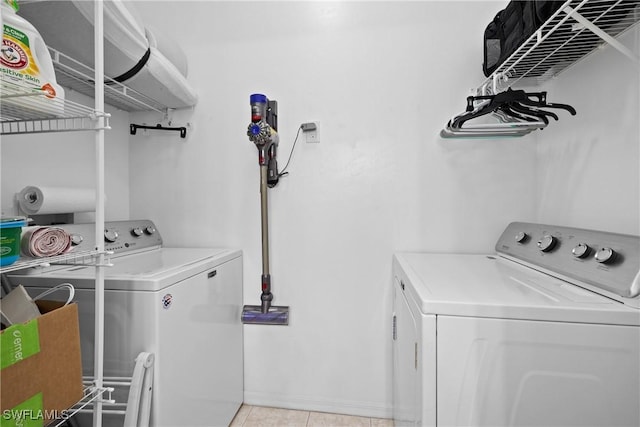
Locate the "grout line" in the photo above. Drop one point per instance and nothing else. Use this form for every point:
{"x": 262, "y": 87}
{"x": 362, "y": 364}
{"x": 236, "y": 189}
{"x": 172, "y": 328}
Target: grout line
{"x": 248, "y": 415}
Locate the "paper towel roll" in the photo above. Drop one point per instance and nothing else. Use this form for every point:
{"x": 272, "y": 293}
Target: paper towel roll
{"x": 52, "y": 200}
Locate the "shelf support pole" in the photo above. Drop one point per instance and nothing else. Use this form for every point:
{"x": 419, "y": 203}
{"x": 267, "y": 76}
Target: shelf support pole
{"x": 99, "y": 149}
{"x": 602, "y": 34}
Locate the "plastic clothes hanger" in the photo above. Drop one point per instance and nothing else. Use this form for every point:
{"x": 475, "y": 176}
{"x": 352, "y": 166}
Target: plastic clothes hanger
{"x": 483, "y": 134}
{"x": 530, "y": 104}
{"x": 506, "y": 127}
{"x": 509, "y": 122}
{"x": 543, "y": 103}
{"x": 517, "y": 112}
{"x": 522, "y": 115}
{"x": 495, "y": 102}
{"x": 536, "y": 112}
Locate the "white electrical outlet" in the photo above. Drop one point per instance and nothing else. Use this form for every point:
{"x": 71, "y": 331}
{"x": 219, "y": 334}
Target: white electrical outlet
{"x": 311, "y": 131}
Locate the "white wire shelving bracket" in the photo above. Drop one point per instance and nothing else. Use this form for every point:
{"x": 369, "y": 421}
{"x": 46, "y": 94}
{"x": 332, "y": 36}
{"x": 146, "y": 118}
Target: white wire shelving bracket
{"x": 577, "y": 29}
{"x": 72, "y": 258}
{"x": 135, "y": 391}
{"x": 117, "y": 385}
{"x": 33, "y": 111}
{"x": 90, "y": 395}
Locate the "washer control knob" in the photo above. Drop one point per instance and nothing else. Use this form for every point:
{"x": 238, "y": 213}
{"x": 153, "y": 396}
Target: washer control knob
{"x": 110, "y": 235}
{"x": 76, "y": 239}
{"x": 137, "y": 231}
{"x": 150, "y": 229}
{"x": 547, "y": 243}
{"x": 521, "y": 237}
{"x": 605, "y": 255}
{"x": 581, "y": 250}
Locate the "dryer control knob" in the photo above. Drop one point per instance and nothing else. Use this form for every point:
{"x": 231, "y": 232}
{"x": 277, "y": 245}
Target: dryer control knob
{"x": 521, "y": 237}
{"x": 110, "y": 235}
{"x": 605, "y": 255}
{"x": 137, "y": 231}
{"x": 76, "y": 239}
{"x": 581, "y": 250}
{"x": 547, "y": 243}
{"x": 150, "y": 230}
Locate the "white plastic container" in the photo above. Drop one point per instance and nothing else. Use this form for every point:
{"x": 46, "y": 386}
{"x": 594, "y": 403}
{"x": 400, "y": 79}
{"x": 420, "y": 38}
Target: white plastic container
{"x": 26, "y": 65}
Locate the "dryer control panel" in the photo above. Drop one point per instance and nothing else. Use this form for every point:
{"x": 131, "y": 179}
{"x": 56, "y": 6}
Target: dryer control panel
{"x": 606, "y": 262}
{"x": 119, "y": 236}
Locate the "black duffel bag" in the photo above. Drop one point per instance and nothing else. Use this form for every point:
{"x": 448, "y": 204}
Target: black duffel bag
{"x": 511, "y": 27}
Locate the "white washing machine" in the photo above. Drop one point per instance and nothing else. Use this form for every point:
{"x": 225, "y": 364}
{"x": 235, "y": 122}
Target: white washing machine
{"x": 182, "y": 304}
{"x": 544, "y": 333}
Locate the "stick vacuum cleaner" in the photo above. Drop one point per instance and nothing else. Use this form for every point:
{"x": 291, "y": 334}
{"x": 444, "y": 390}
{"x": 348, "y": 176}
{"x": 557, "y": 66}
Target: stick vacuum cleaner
{"x": 263, "y": 131}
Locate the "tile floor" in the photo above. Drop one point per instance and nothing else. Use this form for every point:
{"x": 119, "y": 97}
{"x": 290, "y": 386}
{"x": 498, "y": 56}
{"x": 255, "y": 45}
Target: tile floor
{"x": 254, "y": 416}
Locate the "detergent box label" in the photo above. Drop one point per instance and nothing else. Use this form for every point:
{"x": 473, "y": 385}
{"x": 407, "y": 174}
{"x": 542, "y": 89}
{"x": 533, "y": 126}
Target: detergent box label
{"x": 19, "y": 342}
{"x": 16, "y": 59}
{"x": 15, "y": 49}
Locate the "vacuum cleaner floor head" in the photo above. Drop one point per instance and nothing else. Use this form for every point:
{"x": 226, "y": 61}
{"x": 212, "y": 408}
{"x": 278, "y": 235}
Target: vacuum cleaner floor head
{"x": 277, "y": 315}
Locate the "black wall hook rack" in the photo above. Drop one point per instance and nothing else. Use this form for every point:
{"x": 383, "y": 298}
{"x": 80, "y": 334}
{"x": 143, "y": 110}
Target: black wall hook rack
{"x": 134, "y": 127}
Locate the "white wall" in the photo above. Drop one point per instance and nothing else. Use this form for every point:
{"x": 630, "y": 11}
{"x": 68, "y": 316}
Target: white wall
{"x": 382, "y": 78}
{"x": 68, "y": 160}
{"x": 589, "y": 171}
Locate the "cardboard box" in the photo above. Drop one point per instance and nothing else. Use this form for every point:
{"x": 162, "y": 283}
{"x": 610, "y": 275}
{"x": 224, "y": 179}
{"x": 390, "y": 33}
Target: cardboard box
{"x": 40, "y": 367}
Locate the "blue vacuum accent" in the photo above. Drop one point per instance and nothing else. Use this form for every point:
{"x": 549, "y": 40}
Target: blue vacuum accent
{"x": 253, "y": 314}
{"x": 255, "y": 129}
{"x": 257, "y": 97}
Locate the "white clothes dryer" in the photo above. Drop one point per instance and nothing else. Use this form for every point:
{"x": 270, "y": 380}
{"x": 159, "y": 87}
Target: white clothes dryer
{"x": 182, "y": 304}
{"x": 544, "y": 333}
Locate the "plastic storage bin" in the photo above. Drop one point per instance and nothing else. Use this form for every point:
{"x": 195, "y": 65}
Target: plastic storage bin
{"x": 10, "y": 234}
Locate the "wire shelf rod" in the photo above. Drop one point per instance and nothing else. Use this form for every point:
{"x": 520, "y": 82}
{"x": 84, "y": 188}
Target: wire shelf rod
{"x": 83, "y": 258}
{"x": 80, "y": 77}
{"x": 603, "y": 35}
{"x": 91, "y": 394}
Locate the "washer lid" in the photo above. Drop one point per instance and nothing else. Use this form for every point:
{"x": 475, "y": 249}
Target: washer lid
{"x": 490, "y": 286}
{"x": 144, "y": 271}
{"x": 159, "y": 263}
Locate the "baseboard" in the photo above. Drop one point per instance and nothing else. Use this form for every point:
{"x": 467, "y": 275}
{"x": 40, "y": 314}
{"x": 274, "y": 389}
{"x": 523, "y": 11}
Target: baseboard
{"x": 362, "y": 409}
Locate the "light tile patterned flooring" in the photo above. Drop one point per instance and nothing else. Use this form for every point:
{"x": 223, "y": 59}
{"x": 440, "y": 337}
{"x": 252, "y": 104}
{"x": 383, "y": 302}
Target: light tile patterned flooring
{"x": 258, "y": 416}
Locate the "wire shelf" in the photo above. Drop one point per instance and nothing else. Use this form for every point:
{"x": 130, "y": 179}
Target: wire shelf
{"x": 77, "y": 76}
{"x": 90, "y": 395}
{"x": 33, "y": 111}
{"x": 72, "y": 258}
{"x": 571, "y": 34}
{"x": 25, "y": 110}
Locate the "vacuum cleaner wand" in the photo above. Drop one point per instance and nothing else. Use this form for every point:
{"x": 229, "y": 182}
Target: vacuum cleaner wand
{"x": 262, "y": 131}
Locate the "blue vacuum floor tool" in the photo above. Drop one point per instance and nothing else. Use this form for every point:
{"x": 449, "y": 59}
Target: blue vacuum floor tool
{"x": 262, "y": 131}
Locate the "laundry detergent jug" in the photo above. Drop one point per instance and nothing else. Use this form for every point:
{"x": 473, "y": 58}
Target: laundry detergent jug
{"x": 26, "y": 65}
